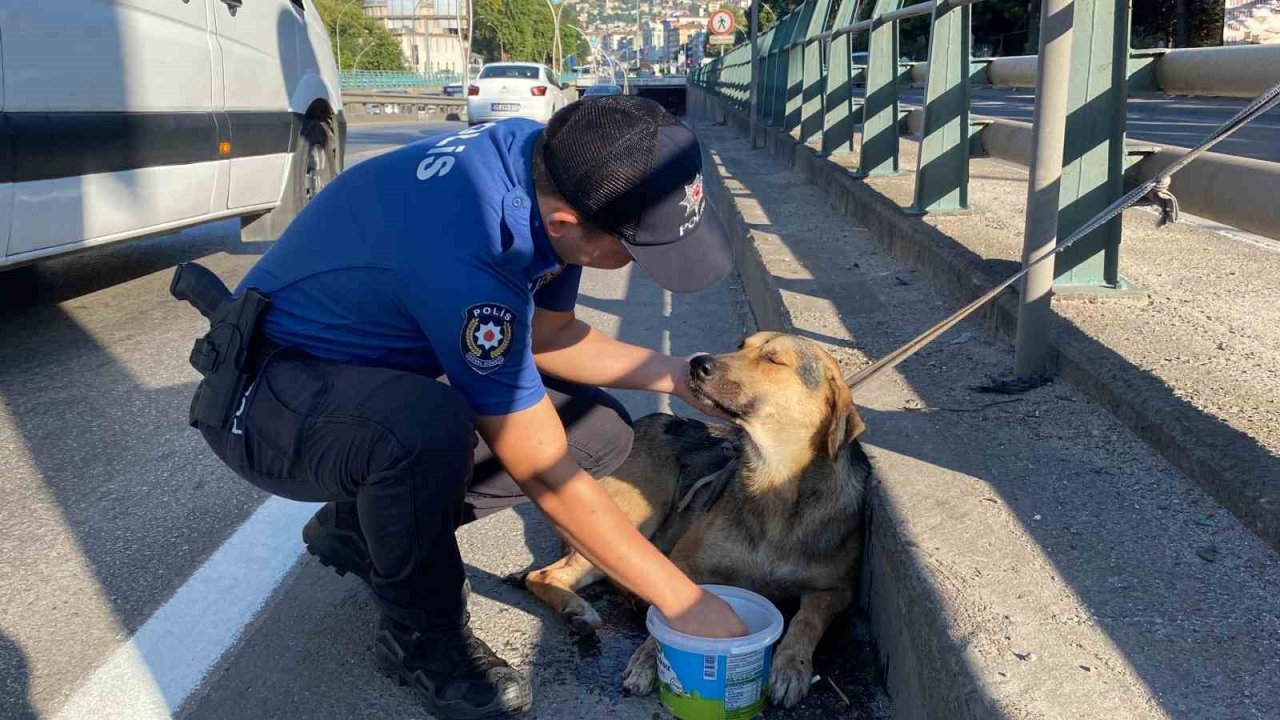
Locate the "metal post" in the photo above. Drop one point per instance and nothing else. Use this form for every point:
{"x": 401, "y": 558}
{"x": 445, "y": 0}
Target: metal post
{"x": 755, "y": 68}
{"x": 879, "y": 154}
{"x": 466, "y": 49}
{"x": 942, "y": 170}
{"x": 795, "y": 69}
{"x": 1093, "y": 169}
{"x": 811, "y": 99}
{"x": 1049, "y": 119}
{"x": 837, "y": 122}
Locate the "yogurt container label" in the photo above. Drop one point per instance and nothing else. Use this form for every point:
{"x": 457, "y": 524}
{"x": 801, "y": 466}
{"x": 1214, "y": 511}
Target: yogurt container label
{"x": 713, "y": 687}
{"x": 718, "y": 678}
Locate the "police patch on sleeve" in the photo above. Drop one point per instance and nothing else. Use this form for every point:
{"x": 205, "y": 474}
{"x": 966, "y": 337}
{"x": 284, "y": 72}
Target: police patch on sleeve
{"x": 486, "y": 336}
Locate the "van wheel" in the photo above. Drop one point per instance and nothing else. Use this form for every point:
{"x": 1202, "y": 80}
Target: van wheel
{"x": 313, "y": 166}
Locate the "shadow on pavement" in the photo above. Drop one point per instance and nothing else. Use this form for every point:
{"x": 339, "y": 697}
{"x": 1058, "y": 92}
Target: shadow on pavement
{"x": 96, "y": 395}
{"x": 14, "y": 681}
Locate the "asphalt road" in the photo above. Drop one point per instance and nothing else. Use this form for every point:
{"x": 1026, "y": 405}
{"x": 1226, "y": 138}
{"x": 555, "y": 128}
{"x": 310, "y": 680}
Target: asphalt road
{"x": 138, "y": 576}
{"x": 1181, "y": 121}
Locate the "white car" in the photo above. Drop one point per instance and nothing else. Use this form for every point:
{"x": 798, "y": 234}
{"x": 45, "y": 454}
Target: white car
{"x": 505, "y": 90}
{"x": 124, "y": 118}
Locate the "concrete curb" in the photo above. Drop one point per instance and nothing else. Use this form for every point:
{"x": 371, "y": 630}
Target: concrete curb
{"x": 1227, "y": 464}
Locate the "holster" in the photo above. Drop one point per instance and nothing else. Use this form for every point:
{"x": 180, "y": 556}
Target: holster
{"x": 225, "y": 355}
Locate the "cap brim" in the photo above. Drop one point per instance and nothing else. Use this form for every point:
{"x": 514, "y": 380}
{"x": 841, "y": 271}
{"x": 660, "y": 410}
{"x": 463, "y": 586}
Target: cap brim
{"x": 699, "y": 260}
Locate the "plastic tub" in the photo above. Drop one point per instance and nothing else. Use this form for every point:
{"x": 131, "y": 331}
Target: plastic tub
{"x": 718, "y": 679}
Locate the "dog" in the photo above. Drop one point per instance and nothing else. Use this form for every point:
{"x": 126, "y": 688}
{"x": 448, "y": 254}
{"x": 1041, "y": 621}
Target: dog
{"x": 786, "y": 519}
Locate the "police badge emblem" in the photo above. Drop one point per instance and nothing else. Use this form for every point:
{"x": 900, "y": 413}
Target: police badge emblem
{"x": 486, "y": 336}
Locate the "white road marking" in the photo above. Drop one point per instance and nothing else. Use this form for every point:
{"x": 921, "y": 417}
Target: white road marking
{"x": 150, "y": 676}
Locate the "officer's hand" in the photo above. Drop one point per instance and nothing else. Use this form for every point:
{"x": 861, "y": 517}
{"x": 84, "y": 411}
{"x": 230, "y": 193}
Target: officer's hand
{"x": 685, "y": 393}
{"x": 709, "y": 617}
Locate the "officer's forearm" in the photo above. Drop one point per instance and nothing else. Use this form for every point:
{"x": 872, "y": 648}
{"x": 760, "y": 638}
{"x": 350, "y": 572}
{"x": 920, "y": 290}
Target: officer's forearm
{"x": 531, "y": 446}
{"x": 578, "y": 353}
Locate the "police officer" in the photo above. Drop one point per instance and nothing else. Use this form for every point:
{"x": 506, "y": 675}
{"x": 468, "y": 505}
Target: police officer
{"x": 428, "y": 295}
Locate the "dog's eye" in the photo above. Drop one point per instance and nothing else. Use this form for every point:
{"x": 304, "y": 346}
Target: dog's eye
{"x": 774, "y": 359}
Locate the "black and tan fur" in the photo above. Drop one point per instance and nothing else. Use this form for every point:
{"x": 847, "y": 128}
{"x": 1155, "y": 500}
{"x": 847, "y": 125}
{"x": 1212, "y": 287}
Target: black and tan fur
{"x": 789, "y": 522}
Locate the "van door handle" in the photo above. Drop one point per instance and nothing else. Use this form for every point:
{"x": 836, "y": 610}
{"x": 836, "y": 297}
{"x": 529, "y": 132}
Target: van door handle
{"x": 233, "y": 4}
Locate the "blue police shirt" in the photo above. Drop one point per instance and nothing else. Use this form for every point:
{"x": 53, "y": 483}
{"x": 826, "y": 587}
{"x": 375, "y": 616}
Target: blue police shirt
{"x": 430, "y": 259}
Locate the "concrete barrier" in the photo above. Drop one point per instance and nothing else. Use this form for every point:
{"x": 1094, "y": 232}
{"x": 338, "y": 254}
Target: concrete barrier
{"x": 1233, "y": 71}
{"x": 400, "y": 107}
{"x": 1008, "y": 140}
{"x": 1017, "y": 71}
{"x": 1235, "y": 191}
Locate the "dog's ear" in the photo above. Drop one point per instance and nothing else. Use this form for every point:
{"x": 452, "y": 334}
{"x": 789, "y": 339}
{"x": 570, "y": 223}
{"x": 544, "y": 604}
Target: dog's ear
{"x": 846, "y": 423}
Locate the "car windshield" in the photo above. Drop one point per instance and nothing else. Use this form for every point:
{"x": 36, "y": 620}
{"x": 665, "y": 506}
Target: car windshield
{"x": 523, "y": 72}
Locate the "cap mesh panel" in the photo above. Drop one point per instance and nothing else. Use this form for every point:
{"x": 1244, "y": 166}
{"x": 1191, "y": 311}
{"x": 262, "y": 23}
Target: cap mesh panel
{"x": 599, "y": 150}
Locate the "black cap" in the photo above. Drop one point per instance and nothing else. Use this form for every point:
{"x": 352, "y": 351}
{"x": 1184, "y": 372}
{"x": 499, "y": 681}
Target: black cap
{"x": 633, "y": 170}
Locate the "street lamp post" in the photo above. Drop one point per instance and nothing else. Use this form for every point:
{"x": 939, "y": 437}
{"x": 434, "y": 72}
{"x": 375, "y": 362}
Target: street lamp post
{"x": 557, "y": 50}
{"x": 498, "y": 33}
{"x": 337, "y": 29}
{"x": 356, "y": 65}
{"x": 466, "y": 50}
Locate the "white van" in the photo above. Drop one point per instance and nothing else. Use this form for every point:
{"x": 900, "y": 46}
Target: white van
{"x": 123, "y": 118}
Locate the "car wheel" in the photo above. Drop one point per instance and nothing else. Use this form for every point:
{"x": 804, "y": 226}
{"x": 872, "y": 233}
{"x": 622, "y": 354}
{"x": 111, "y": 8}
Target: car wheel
{"x": 313, "y": 166}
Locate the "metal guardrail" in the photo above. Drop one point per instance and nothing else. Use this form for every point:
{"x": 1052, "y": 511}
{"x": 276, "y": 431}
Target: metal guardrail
{"x": 393, "y": 80}
{"x": 807, "y": 74}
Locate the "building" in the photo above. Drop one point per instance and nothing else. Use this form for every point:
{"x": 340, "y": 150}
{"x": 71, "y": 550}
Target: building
{"x": 677, "y": 31}
{"x": 694, "y": 50}
{"x": 1251, "y": 22}
{"x": 428, "y": 31}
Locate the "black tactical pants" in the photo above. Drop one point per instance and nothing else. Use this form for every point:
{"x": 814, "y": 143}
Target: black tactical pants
{"x": 404, "y": 448}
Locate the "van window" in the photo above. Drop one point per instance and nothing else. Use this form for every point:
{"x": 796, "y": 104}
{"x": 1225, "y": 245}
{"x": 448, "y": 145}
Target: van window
{"x": 521, "y": 72}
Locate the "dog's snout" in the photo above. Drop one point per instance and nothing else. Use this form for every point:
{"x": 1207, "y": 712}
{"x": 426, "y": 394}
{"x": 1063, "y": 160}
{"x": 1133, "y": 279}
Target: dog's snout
{"x": 703, "y": 366}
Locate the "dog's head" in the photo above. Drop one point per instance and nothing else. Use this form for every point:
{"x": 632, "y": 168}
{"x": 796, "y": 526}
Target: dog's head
{"x": 785, "y": 391}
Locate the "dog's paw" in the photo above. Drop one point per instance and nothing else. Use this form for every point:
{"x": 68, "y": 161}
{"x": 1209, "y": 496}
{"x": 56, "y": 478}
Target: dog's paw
{"x": 641, "y": 675}
{"x": 582, "y": 618}
{"x": 789, "y": 679}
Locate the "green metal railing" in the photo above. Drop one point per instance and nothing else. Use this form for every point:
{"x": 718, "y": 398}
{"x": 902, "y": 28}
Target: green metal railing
{"x": 806, "y": 88}
{"x": 393, "y": 80}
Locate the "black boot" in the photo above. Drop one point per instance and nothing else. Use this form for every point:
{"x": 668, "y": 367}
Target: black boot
{"x": 333, "y": 535}
{"x": 458, "y": 675}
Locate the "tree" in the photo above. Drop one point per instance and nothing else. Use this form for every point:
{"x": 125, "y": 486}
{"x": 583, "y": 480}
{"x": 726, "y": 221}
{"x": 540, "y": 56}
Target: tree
{"x": 362, "y": 37}
{"x": 1177, "y": 23}
{"x": 525, "y": 30}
